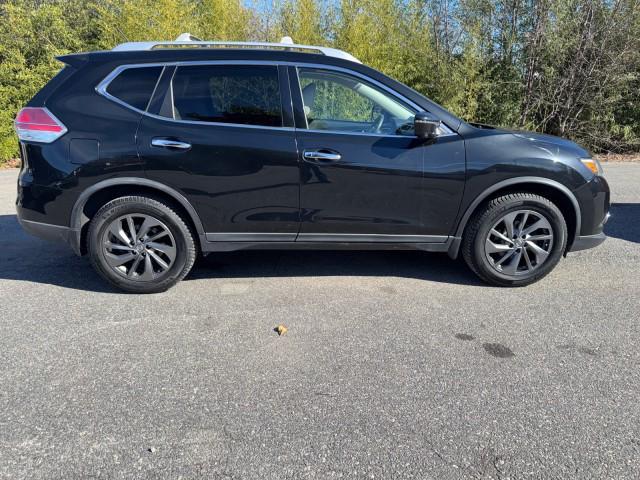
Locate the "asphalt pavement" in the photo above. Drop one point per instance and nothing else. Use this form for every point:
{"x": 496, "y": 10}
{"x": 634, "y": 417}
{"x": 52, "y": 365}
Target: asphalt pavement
{"x": 395, "y": 365}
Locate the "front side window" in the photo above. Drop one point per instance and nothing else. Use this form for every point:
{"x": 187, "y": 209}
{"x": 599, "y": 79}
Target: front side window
{"x": 241, "y": 94}
{"x": 340, "y": 102}
{"x": 134, "y": 86}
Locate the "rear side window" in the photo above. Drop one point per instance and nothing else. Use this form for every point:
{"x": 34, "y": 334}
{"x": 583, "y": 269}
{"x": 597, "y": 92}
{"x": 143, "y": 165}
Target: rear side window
{"x": 134, "y": 86}
{"x": 241, "y": 94}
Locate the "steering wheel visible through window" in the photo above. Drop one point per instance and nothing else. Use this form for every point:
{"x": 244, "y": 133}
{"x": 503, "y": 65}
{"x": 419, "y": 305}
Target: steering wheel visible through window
{"x": 341, "y": 102}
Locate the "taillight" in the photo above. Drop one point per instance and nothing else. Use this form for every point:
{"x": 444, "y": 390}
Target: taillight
{"x": 38, "y": 125}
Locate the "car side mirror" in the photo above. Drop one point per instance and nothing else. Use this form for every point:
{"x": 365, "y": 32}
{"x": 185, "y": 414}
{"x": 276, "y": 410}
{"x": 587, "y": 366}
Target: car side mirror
{"x": 425, "y": 126}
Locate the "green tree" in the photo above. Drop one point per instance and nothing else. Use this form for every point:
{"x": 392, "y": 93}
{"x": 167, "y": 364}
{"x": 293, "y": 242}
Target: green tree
{"x": 138, "y": 20}
{"x": 584, "y": 85}
{"x": 568, "y": 67}
{"x": 303, "y": 20}
{"x": 375, "y": 32}
{"x": 32, "y": 34}
{"x": 222, "y": 20}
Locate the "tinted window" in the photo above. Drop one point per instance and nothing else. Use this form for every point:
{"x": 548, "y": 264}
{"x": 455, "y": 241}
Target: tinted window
{"x": 134, "y": 86}
{"x": 245, "y": 94}
{"x": 341, "y": 102}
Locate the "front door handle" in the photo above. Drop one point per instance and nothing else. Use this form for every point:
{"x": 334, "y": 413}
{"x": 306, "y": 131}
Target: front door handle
{"x": 170, "y": 143}
{"x": 323, "y": 155}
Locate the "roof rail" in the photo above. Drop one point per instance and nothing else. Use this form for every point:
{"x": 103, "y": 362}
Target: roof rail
{"x": 187, "y": 40}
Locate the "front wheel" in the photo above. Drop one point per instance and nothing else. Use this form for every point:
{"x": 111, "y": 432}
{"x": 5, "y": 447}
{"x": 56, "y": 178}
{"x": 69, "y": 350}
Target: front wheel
{"x": 515, "y": 240}
{"x": 140, "y": 245}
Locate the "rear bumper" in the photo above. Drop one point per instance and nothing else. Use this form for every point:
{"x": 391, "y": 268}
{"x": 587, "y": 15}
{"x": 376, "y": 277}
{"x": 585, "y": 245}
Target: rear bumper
{"x": 46, "y": 231}
{"x": 41, "y": 211}
{"x": 53, "y": 233}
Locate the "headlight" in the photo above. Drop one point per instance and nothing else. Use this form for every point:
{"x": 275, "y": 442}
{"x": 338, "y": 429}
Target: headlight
{"x": 593, "y": 165}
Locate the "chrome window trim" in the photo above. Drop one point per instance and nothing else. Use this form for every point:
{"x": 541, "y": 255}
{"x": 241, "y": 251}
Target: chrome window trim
{"x": 225, "y": 62}
{"x": 362, "y": 134}
{"x": 101, "y": 89}
{"x": 404, "y": 100}
{"x": 218, "y": 124}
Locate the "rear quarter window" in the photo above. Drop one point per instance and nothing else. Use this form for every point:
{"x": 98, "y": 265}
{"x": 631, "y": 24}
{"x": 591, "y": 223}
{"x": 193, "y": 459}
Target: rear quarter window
{"x": 134, "y": 86}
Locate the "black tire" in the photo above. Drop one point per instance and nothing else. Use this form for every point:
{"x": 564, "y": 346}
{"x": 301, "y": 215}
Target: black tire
{"x": 180, "y": 241}
{"x": 478, "y": 230}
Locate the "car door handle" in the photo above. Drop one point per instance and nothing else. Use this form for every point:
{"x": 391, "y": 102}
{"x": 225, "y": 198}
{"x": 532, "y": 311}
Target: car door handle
{"x": 323, "y": 155}
{"x": 170, "y": 143}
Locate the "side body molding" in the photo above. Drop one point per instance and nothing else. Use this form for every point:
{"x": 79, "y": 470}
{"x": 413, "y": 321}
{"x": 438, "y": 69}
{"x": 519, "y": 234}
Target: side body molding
{"x": 78, "y": 220}
{"x": 457, "y": 239}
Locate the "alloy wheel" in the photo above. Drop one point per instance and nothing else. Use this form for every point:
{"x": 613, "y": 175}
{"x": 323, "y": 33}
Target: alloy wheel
{"x": 519, "y": 242}
{"x": 139, "y": 247}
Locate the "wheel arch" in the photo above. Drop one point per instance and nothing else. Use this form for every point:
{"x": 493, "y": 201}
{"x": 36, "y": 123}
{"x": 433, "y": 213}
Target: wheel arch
{"x": 555, "y": 191}
{"x": 91, "y": 199}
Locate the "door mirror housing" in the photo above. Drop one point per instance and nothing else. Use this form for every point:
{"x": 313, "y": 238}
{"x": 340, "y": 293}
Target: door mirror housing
{"x": 425, "y": 126}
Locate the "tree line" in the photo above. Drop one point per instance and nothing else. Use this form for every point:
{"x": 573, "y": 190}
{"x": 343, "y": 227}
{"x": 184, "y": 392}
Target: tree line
{"x": 565, "y": 67}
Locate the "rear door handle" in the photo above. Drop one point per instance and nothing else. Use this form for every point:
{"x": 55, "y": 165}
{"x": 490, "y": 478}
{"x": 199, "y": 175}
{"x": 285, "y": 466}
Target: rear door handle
{"x": 170, "y": 143}
{"x": 322, "y": 155}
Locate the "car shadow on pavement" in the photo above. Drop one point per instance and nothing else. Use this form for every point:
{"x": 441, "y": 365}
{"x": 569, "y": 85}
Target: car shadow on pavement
{"x": 30, "y": 259}
{"x": 27, "y": 258}
{"x": 624, "y": 222}
{"x": 319, "y": 263}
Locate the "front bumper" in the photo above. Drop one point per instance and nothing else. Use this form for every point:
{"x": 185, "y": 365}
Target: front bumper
{"x": 584, "y": 242}
{"x": 594, "y": 200}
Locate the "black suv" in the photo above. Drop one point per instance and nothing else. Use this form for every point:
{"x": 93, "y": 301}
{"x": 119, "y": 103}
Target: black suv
{"x": 146, "y": 155}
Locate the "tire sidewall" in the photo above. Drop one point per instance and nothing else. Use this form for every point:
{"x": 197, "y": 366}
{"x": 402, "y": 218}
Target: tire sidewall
{"x": 149, "y": 207}
{"x": 558, "y": 225}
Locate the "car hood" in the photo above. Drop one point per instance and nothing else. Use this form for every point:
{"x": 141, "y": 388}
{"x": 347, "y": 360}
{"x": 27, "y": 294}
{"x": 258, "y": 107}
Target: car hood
{"x": 552, "y": 140}
{"x": 542, "y": 140}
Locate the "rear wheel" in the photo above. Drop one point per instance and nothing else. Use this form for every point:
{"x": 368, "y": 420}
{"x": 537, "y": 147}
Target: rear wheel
{"x": 515, "y": 240}
{"x": 140, "y": 245}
